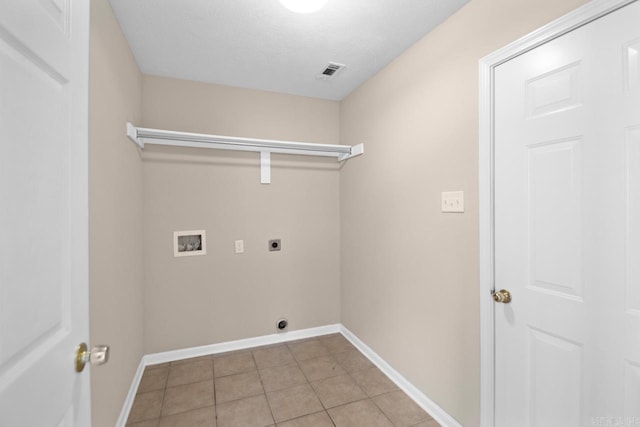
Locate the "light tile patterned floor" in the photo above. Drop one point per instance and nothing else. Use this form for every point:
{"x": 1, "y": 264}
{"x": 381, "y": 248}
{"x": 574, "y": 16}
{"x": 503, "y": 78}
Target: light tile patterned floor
{"x": 318, "y": 382}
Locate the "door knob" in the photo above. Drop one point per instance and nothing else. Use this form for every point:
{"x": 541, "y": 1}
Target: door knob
{"x": 99, "y": 355}
{"x": 502, "y": 296}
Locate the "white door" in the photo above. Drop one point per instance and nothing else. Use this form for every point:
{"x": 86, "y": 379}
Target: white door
{"x": 43, "y": 211}
{"x": 567, "y": 229}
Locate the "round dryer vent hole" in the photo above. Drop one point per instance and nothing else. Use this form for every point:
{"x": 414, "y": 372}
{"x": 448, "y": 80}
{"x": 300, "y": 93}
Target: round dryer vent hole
{"x": 282, "y": 324}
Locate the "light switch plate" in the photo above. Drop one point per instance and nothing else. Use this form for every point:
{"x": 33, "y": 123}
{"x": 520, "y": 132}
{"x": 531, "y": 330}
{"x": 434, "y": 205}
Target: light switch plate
{"x": 239, "y": 246}
{"x": 453, "y": 201}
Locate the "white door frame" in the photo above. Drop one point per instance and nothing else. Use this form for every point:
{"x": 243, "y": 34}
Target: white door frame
{"x": 581, "y": 16}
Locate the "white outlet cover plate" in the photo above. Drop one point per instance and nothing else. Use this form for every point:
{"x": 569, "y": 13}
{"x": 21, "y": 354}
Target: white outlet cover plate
{"x": 453, "y": 201}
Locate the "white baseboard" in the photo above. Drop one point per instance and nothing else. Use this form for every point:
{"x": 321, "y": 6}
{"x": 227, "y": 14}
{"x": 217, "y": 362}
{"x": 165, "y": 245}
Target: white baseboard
{"x": 186, "y": 353}
{"x": 128, "y": 403}
{"x": 439, "y": 414}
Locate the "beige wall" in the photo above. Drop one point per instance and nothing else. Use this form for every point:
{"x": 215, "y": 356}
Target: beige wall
{"x": 222, "y": 296}
{"x": 365, "y": 245}
{"x": 409, "y": 272}
{"x": 115, "y": 214}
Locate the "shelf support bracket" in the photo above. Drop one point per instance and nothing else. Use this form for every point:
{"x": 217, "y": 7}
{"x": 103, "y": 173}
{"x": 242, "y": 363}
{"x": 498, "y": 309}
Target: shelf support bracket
{"x": 132, "y": 133}
{"x": 356, "y": 150}
{"x": 265, "y": 167}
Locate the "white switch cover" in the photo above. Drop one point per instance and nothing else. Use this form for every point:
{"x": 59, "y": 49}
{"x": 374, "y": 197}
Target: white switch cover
{"x": 453, "y": 201}
{"x": 239, "y": 246}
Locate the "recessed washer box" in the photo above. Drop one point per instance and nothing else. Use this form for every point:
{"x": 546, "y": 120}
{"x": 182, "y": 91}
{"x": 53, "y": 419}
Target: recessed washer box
{"x": 189, "y": 243}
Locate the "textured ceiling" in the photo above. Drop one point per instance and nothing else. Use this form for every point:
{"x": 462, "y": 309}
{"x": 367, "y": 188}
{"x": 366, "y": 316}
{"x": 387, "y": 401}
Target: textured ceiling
{"x": 259, "y": 44}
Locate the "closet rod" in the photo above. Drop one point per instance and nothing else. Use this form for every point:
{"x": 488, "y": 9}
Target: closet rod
{"x": 142, "y": 136}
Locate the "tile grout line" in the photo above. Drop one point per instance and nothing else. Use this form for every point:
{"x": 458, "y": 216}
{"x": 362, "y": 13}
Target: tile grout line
{"x": 215, "y": 389}
{"x": 180, "y": 385}
{"x": 325, "y": 409}
{"x": 371, "y": 398}
{"x": 164, "y": 392}
{"x": 253, "y": 357}
{"x": 349, "y": 374}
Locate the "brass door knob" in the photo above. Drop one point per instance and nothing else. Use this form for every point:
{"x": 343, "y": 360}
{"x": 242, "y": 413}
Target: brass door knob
{"x": 99, "y": 355}
{"x": 502, "y": 296}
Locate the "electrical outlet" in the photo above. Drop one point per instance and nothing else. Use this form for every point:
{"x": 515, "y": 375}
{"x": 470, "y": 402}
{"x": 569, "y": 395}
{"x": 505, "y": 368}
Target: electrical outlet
{"x": 453, "y": 201}
{"x": 274, "y": 245}
{"x": 239, "y": 246}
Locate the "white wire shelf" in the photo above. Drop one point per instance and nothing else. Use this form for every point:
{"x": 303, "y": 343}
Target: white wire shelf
{"x": 265, "y": 147}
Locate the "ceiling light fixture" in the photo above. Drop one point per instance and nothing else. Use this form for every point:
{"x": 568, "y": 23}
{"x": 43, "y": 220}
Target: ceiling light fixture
{"x": 304, "y": 6}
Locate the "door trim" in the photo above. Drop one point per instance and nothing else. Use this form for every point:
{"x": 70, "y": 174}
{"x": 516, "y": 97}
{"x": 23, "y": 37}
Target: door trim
{"x": 579, "y": 17}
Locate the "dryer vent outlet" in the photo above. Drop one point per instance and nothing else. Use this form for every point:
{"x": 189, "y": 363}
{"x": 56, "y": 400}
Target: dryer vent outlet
{"x": 282, "y": 324}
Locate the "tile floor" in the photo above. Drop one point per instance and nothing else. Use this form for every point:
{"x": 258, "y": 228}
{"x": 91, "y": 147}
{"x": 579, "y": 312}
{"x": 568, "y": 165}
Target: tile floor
{"x": 317, "y": 382}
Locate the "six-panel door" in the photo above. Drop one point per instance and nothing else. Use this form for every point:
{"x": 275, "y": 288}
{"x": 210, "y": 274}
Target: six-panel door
{"x": 567, "y": 228}
{"x": 43, "y": 214}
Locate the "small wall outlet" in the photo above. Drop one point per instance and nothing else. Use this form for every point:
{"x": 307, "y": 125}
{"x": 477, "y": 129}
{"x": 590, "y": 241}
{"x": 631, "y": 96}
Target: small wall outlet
{"x": 453, "y": 201}
{"x": 274, "y": 245}
{"x": 239, "y": 246}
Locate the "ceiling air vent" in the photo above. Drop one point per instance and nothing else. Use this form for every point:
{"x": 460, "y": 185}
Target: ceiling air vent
{"x": 331, "y": 70}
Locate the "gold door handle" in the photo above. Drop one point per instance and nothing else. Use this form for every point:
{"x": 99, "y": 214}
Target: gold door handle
{"x": 502, "y": 296}
{"x": 99, "y": 355}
